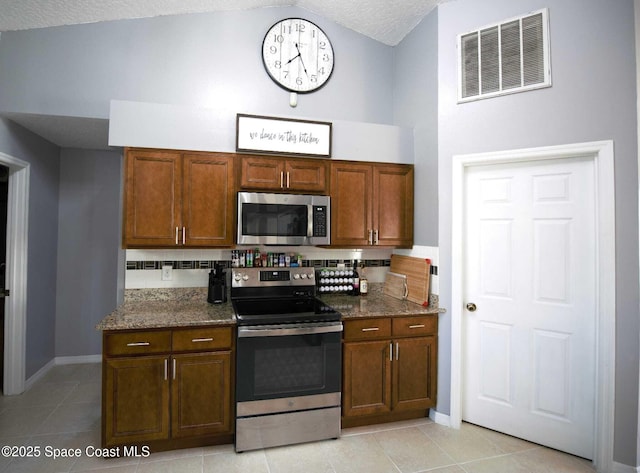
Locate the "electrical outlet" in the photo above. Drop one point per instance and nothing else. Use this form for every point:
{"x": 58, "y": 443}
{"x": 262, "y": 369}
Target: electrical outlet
{"x": 167, "y": 273}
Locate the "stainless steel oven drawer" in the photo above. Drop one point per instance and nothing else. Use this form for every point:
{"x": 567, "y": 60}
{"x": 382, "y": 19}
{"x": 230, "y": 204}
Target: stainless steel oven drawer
{"x": 254, "y": 433}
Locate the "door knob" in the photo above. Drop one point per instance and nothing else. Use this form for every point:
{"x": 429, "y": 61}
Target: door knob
{"x": 471, "y": 307}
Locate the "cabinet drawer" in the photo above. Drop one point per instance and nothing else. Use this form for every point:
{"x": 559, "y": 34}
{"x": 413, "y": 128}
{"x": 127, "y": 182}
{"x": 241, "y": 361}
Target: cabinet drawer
{"x": 137, "y": 343}
{"x": 367, "y": 329}
{"x": 407, "y": 326}
{"x": 202, "y": 339}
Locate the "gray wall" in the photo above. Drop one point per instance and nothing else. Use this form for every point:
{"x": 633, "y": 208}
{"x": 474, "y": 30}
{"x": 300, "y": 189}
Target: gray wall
{"x": 43, "y": 238}
{"x": 204, "y": 60}
{"x": 415, "y": 83}
{"x": 89, "y": 216}
{"x": 592, "y": 98}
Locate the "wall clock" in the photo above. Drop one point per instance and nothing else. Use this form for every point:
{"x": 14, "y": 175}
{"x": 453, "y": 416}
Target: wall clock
{"x": 298, "y": 55}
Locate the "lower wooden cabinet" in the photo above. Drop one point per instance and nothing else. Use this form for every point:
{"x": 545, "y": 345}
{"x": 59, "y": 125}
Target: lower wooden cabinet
{"x": 389, "y": 369}
{"x": 136, "y": 392}
{"x": 414, "y": 373}
{"x": 168, "y": 392}
{"x": 367, "y": 378}
{"x": 200, "y": 394}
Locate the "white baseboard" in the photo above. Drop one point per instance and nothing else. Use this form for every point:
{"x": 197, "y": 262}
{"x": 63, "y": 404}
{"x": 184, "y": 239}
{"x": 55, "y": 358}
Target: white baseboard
{"x": 60, "y": 360}
{"x": 620, "y": 468}
{"x": 39, "y": 374}
{"x": 439, "y": 418}
{"x": 76, "y": 360}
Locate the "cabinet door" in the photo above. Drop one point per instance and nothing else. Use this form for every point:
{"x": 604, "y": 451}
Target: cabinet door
{"x": 208, "y": 199}
{"x": 366, "y": 378}
{"x": 259, "y": 173}
{"x": 351, "y": 199}
{"x": 414, "y": 373}
{"x": 201, "y": 394}
{"x": 136, "y": 400}
{"x": 308, "y": 175}
{"x": 153, "y": 187}
{"x": 393, "y": 205}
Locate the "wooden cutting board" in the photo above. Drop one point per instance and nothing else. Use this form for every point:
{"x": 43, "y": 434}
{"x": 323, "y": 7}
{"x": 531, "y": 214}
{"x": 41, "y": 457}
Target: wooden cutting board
{"x": 417, "y": 271}
{"x": 395, "y": 285}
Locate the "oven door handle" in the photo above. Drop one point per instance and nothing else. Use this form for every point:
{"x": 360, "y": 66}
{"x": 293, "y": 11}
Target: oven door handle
{"x": 244, "y": 332}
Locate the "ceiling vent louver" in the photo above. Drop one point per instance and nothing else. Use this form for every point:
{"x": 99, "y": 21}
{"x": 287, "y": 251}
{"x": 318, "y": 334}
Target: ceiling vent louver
{"x": 504, "y": 58}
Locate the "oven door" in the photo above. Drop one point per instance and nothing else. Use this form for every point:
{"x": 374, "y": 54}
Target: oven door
{"x": 286, "y": 361}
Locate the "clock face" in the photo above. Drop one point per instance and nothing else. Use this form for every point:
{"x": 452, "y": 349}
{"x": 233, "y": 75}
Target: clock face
{"x": 297, "y": 55}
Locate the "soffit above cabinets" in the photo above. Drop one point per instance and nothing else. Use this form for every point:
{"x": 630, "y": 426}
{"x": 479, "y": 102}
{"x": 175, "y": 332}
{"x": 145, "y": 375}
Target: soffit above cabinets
{"x": 387, "y": 21}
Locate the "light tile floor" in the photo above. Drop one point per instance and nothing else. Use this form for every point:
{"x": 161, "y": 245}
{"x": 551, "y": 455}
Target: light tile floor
{"x": 62, "y": 410}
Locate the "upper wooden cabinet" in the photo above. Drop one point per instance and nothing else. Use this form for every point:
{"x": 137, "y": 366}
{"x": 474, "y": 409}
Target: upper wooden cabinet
{"x": 283, "y": 174}
{"x": 178, "y": 199}
{"x": 371, "y": 204}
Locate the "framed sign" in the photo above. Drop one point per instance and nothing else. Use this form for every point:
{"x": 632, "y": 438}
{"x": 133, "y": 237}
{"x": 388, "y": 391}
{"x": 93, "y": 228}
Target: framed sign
{"x": 271, "y": 135}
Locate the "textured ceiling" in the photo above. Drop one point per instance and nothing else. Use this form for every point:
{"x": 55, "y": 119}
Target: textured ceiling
{"x": 387, "y": 21}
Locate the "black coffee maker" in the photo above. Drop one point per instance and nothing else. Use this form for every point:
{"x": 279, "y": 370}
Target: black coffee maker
{"x": 217, "y": 285}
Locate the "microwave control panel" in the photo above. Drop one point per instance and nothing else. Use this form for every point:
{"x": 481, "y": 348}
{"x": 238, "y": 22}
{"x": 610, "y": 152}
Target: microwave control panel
{"x": 319, "y": 220}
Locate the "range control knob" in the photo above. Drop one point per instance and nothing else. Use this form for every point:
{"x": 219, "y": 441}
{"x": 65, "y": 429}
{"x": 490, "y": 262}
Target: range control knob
{"x": 237, "y": 276}
{"x": 303, "y": 275}
{"x": 245, "y": 277}
{"x": 310, "y": 275}
{"x": 297, "y": 276}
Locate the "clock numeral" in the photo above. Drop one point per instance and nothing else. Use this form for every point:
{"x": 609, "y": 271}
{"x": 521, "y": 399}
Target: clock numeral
{"x": 286, "y": 74}
{"x": 277, "y": 64}
{"x": 273, "y": 49}
{"x": 325, "y": 57}
{"x": 300, "y": 27}
{"x": 278, "y": 38}
{"x": 299, "y": 80}
{"x": 322, "y": 45}
{"x": 313, "y": 78}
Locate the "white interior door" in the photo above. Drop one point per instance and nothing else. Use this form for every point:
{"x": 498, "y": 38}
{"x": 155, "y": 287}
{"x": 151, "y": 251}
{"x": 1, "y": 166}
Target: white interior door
{"x": 530, "y": 257}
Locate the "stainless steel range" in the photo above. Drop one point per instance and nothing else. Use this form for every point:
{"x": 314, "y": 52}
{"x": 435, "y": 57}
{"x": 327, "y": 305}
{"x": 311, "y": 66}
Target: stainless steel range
{"x": 289, "y": 359}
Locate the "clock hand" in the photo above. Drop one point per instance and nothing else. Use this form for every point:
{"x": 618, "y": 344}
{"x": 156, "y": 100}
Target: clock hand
{"x": 293, "y": 58}
{"x": 301, "y": 61}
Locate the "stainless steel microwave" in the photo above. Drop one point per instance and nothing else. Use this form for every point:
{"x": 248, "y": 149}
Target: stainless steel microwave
{"x": 283, "y": 219}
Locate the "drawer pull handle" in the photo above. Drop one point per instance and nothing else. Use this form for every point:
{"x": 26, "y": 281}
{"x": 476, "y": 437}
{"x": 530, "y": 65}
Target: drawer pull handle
{"x": 198, "y": 340}
{"x": 370, "y": 329}
{"x": 138, "y": 344}
{"x": 417, "y": 326}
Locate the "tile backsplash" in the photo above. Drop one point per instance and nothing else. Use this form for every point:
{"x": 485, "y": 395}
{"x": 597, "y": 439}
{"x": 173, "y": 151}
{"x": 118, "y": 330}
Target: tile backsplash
{"x": 190, "y": 268}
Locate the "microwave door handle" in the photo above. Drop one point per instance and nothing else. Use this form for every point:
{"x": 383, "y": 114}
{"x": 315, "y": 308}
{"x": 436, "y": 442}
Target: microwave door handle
{"x": 309, "y": 221}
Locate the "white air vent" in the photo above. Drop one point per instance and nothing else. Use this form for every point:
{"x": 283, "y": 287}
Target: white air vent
{"x": 507, "y": 57}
